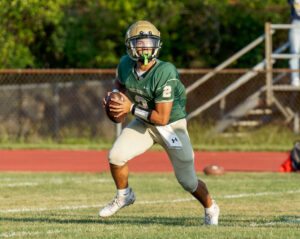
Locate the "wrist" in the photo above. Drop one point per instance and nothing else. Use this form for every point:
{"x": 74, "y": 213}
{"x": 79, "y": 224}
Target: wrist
{"x": 141, "y": 113}
{"x": 132, "y": 108}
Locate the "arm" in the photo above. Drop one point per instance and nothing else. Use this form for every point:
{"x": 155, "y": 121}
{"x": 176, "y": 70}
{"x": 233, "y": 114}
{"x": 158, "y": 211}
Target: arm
{"x": 161, "y": 114}
{"x": 119, "y": 85}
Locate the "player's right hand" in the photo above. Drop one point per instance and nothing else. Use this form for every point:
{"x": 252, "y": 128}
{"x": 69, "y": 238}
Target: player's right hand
{"x": 122, "y": 106}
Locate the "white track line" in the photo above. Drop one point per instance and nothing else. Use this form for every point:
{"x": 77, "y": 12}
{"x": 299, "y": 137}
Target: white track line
{"x": 143, "y": 202}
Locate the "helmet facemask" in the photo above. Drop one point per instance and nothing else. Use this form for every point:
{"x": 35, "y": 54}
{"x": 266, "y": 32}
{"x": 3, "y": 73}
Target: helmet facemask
{"x": 143, "y": 48}
{"x": 142, "y": 41}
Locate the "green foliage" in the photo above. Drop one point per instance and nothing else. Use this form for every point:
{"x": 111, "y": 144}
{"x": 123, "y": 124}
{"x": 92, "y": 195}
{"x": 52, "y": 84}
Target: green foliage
{"x": 90, "y": 34}
{"x": 29, "y": 31}
{"x": 96, "y": 29}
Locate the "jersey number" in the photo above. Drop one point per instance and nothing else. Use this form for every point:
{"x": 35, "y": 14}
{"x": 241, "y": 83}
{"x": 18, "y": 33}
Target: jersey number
{"x": 167, "y": 91}
{"x": 141, "y": 101}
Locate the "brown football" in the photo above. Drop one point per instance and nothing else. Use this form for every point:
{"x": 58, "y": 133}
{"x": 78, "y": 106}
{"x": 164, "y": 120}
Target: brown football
{"x": 112, "y": 115}
{"x": 214, "y": 170}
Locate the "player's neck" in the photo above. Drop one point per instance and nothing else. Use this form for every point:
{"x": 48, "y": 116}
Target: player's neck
{"x": 143, "y": 67}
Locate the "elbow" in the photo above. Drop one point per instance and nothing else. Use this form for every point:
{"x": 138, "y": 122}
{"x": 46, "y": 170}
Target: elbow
{"x": 163, "y": 121}
{"x": 159, "y": 118}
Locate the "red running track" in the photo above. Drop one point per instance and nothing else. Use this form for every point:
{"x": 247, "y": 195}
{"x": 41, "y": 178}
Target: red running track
{"x": 151, "y": 161}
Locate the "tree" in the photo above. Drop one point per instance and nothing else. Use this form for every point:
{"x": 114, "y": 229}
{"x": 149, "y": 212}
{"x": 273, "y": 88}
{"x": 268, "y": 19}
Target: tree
{"x": 29, "y": 32}
{"x": 90, "y": 33}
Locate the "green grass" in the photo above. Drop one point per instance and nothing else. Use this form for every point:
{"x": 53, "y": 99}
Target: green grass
{"x": 275, "y": 137}
{"x": 65, "y": 205}
{"x": 107, "y": 146}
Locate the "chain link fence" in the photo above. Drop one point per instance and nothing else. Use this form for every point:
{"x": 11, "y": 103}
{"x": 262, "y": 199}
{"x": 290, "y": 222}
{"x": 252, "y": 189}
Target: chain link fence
{"x": 41, "y": 104}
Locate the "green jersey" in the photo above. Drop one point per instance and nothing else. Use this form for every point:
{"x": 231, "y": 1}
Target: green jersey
{"x": 160, "y": 84}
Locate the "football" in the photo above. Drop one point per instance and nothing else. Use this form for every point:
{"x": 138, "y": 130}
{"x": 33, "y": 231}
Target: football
{"x": 214, "y": 170}
{"x": 112, "y": 115}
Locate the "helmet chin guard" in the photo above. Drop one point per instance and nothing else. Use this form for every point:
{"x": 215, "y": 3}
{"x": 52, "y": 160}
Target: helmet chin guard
{"x": 143, "y": 42}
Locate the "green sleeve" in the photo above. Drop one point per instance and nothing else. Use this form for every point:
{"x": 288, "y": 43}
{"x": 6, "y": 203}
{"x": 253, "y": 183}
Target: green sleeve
{"x": 122, "y": 69}
{"x": 167, "y": 85}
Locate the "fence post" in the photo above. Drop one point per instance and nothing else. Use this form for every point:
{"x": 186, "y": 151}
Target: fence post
{"x": 20, "y": 106}
{"x": 296, "y": 123}
{"x": 222, "y": 106}
{"x": 56, "y": 110}
{"x": 118, "y": 129}
{"x": 268, "y": 53}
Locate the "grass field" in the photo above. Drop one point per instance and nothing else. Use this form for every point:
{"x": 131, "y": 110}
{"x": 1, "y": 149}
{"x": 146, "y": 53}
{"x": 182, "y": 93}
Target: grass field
{"x": 65, "y": 205}
{"x": 275, "y": 137}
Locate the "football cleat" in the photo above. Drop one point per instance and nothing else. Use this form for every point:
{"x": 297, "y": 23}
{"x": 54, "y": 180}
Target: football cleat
{"x": 117, "y": 203}
{"x": 212, "y": 215}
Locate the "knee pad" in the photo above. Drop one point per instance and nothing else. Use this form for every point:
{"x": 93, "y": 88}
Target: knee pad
{"x": 188, "y": 182}
{"x": 115, "y": 158}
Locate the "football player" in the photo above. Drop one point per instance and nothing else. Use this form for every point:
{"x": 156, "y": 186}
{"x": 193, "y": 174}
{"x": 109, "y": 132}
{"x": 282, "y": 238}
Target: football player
{"x": 157, "y": 101}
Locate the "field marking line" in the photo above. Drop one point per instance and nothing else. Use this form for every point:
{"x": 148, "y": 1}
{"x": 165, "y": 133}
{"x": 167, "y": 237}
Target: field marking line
{"x": 296, "y": 221}
{"x": 258, "y": 194}
{"x": 55, "y": 181}
{"x": 11, "y": 185}
{"x": 24, "y": 233}
{"x": 143, "y": 202}
{"x": 36, "y": 233}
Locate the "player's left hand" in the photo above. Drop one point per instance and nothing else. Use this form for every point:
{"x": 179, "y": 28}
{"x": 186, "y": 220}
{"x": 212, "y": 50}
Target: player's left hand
{"x": 123, "y": 107}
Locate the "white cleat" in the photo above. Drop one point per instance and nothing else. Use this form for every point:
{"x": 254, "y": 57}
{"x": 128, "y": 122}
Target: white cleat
{"x": 212, "y": 215}
{"x": 117, "y": 203}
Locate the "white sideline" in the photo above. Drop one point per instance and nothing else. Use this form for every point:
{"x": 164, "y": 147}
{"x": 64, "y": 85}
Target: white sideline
{"x": 144, "y": 202}
{"x": 24, "y": 233}
{"x": 55, "y": 181}
{"x": 10, "y": 185}
{"x": 275, "y": 222}
{"x": 35, "y": 233}
{"x": 259, "y": 194}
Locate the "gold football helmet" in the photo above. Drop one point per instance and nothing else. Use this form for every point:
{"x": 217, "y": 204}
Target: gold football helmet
{"x": 143, "y": 41}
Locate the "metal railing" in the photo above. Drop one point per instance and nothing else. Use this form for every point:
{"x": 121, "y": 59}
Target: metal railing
{"x": 267, "y": 64}
{"x": 226, "y": 63}
{"x": 234, "y": 86}
{"x": 269, "y": 29}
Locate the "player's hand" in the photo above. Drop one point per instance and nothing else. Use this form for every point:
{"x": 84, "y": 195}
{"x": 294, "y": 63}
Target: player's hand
{"x": 123, "y": 107}
{"x": 104, "y": 101}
